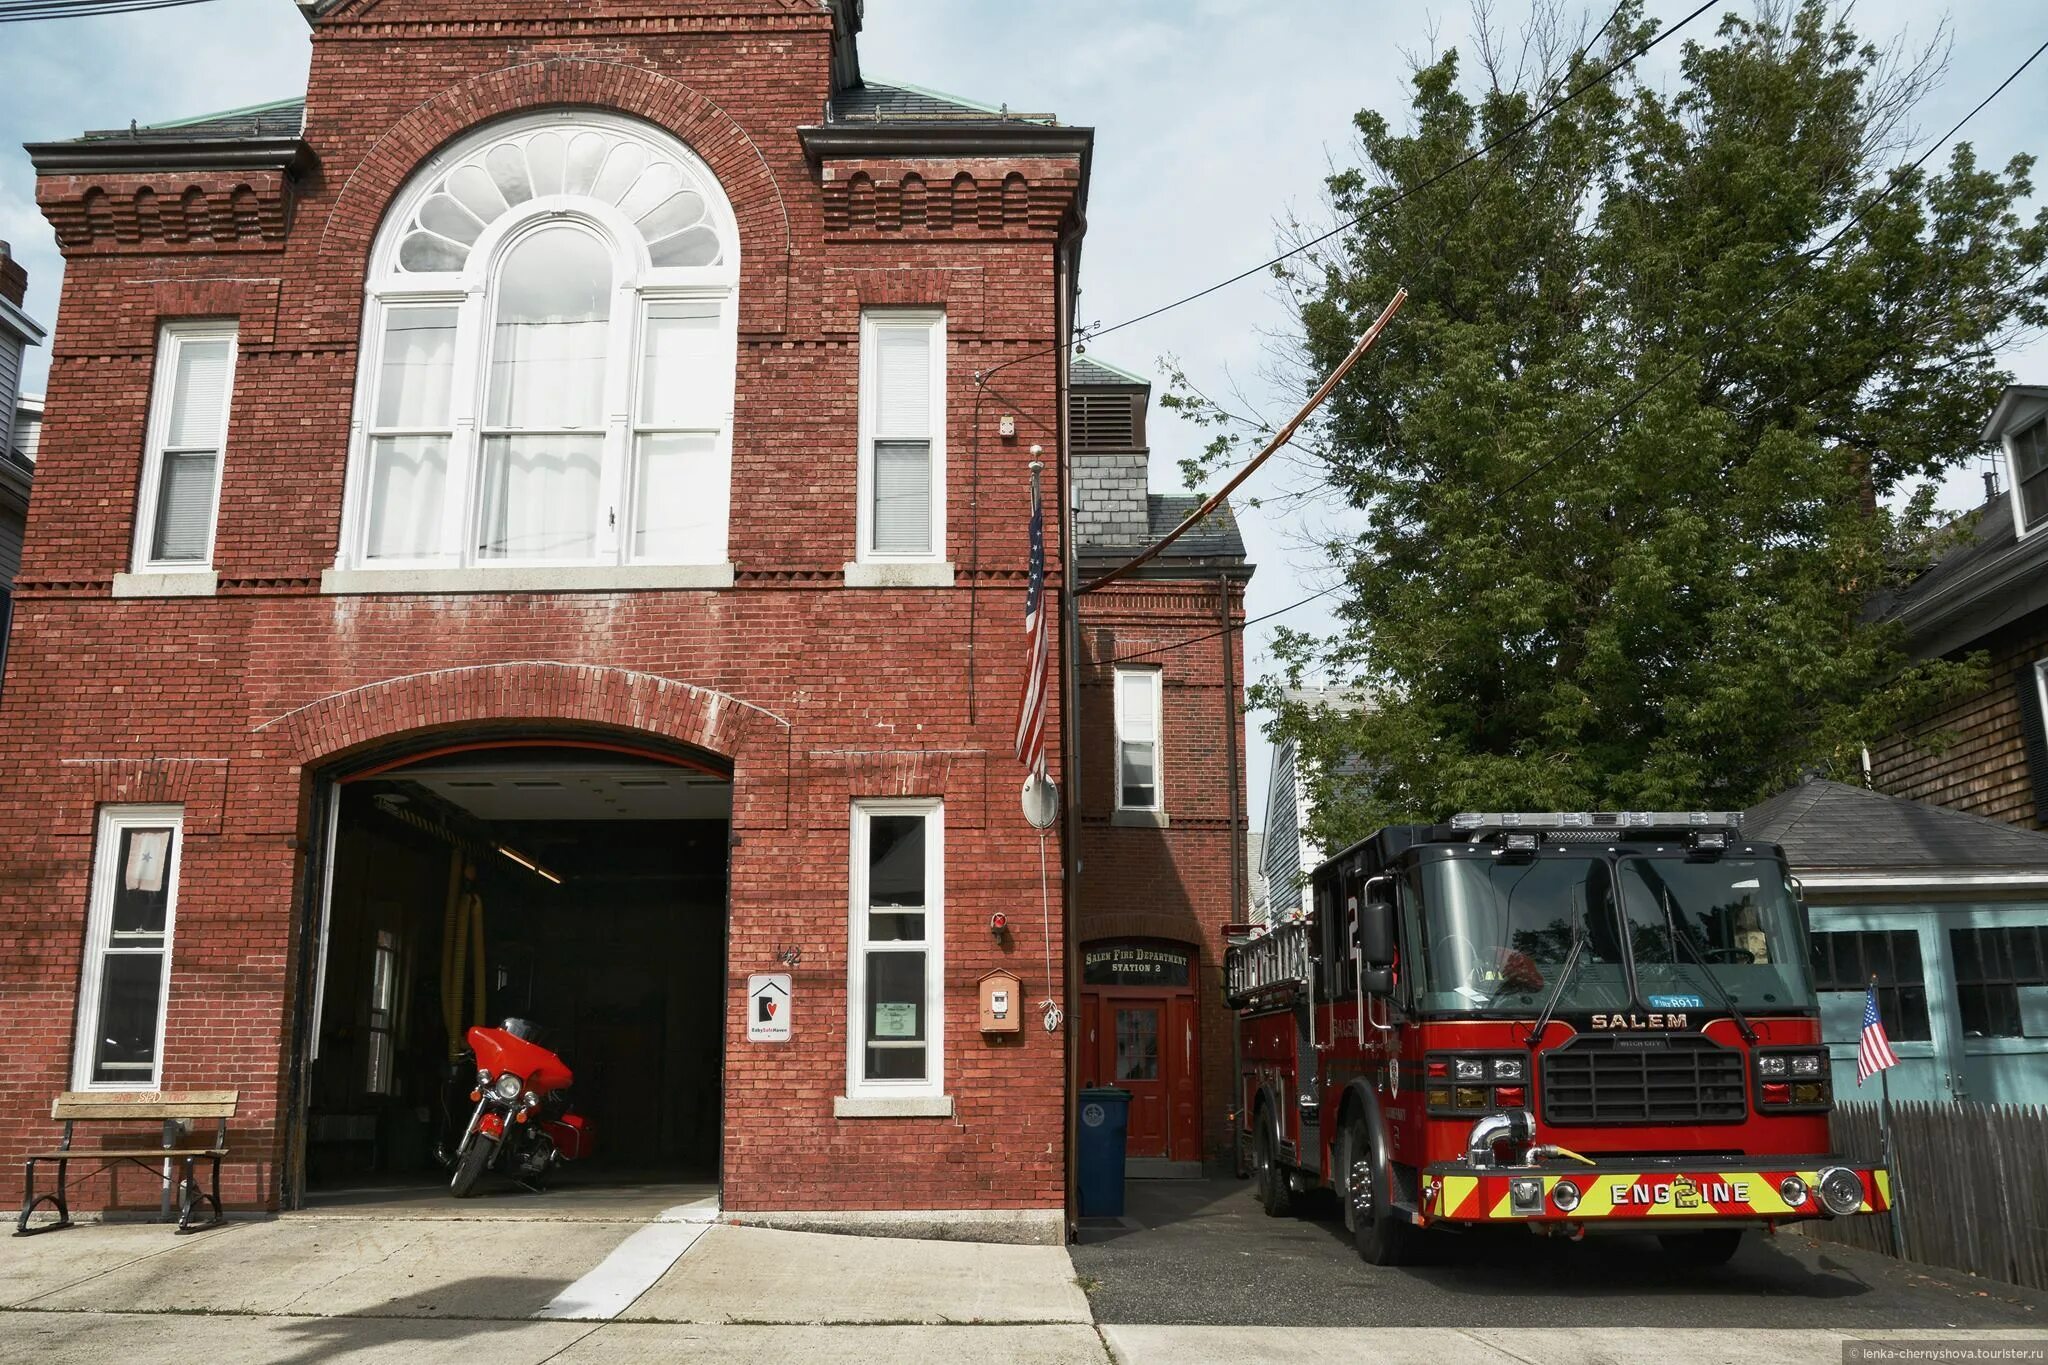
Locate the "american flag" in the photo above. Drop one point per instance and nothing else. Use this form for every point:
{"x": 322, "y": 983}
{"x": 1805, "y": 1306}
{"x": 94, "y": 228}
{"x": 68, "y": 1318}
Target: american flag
{"x": 1037, "y": 649}
{"x": 1874, "y": 1053}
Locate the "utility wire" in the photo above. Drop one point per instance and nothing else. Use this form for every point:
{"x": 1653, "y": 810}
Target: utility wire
{"x": 1898, "y": 181}
{"x": 23, "y": 11}
{"x": 1428, "y": 182}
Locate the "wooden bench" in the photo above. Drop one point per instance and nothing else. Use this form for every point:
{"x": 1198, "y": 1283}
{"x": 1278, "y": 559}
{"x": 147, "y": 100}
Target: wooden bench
{"x": 74, "y": 1107}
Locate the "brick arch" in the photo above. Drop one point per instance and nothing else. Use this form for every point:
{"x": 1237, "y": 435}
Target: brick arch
{"x": 539, "y": 692}
{"x": 709, "y": 131}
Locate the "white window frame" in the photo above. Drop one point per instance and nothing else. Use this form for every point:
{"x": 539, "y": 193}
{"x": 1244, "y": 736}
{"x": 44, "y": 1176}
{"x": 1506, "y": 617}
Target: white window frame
{"x": 171, "y": 339}
{"x": 933, "y": 1086}
{"x": 2012, "y": 469}
{"x": 99, "y": 918}
{"x": 636, "y": 283}
{"x": 1158, "y": 740}
{"x": 870, "y": 320}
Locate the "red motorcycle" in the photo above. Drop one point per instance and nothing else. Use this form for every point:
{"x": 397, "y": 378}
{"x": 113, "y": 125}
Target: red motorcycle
{"x": 522, "y": 1124}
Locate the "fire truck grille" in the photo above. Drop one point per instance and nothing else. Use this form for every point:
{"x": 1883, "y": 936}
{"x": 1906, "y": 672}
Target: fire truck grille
{"x": 1595, "y": 1085}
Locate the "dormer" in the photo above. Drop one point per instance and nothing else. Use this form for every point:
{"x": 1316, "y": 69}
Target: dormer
{"x": 2020, "y": 426}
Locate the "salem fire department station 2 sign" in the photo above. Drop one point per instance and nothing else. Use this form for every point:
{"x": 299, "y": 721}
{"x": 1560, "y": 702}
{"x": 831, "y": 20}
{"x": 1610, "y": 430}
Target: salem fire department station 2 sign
{"x": 1134, "y": 964}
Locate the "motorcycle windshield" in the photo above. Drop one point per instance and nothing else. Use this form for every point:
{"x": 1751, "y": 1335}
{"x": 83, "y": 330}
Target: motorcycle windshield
{"x": 1494, "y": 936}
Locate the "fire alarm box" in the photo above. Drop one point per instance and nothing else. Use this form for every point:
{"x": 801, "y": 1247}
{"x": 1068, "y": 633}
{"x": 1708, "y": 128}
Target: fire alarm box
{"x": 1002, "y": 1004}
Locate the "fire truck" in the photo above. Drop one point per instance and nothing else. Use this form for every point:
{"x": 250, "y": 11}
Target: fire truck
{"x": 1591, "y": 1021}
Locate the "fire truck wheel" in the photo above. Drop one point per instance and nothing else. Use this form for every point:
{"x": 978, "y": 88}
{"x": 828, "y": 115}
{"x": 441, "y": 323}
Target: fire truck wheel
{"x": 1275, "y": 1194}
{"x": 1381, "y": 1236}
{"x": 1712, "y": 1247}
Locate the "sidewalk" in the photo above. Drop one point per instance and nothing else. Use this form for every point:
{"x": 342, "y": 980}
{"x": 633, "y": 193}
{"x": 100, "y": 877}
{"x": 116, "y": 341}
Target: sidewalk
{"x": 520, "y": 1291}
{"x": 418, "y": 1290}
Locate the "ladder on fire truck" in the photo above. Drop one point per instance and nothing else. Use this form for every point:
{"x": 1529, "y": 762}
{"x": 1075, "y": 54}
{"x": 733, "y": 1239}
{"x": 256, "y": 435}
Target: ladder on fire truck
{"x": 1273, "y": 961}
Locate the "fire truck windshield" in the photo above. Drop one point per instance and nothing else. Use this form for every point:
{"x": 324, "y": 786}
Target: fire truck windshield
{"x": 1733, "y": 917}
{"x": 1493, "y": 936}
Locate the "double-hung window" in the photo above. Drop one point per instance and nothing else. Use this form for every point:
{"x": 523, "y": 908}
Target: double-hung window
{"x": 902, "y": 436}
{"x": 549, "y": 351}
{"x": 181, "y": 466}
{"x": 896, "y": 992}
{"x": 2029, "y": 448}
{"x": 134, "y": 902}
{"x": 1137, "y": 739}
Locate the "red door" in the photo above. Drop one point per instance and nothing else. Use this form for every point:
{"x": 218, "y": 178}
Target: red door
{"x": 1135, "y": 1037}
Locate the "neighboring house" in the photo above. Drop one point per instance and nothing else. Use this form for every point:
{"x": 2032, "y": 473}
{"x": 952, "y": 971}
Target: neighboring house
{"x": 20, "y": 425}
{"x": 1986, "y": 754}
{"x": 1949, "y": 912}
{"x": 1160, "y": 784}
{"x": 517, "y": 535}
{"x": 1290, "y": 853}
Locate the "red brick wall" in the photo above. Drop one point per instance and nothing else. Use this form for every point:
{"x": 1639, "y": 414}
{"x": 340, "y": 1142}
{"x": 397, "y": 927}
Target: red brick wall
{"x": 815, "y": 692}
{"x": 1176, "y": 882}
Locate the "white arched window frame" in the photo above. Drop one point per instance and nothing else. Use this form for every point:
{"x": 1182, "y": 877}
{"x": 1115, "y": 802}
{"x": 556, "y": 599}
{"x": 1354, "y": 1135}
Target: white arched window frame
{"x": 420, "y": 438}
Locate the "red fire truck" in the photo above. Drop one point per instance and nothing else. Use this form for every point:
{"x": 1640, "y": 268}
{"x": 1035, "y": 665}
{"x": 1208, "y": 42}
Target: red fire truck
{"x": 1571, "y": 1021}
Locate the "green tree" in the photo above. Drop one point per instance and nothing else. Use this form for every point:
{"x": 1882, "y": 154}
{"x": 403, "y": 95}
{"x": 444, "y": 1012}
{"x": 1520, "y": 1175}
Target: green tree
{"x": 1561, "y": 591}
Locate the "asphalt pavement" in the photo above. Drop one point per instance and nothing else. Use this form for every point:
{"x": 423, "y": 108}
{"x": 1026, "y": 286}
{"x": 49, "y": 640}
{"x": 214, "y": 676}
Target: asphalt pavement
{"x": 1203, "y": 1251}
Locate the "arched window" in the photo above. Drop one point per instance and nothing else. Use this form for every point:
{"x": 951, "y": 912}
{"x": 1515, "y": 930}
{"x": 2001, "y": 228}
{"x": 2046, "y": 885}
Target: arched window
{"x": 548, "y": 353}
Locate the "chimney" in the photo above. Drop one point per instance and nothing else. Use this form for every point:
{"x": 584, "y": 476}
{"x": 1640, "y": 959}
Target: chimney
{"x": 13, "y": 279}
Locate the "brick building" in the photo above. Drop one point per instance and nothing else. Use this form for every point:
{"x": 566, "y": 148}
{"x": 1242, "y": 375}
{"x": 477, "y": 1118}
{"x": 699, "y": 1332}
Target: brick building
{"x": 516, "y": 533}
{"x": 1160, "y": 785}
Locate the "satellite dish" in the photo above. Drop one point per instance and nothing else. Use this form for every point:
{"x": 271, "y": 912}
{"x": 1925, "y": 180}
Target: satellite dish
{"x": 1041, "y": 801}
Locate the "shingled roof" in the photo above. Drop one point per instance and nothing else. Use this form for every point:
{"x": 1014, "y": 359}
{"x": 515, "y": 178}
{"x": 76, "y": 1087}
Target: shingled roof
{"x": 1088, "y": 373}
{"x": 1826, "y": 826}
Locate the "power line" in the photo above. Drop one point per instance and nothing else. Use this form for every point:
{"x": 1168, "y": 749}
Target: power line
{"x": 1634, "y": 399}
{"x": 23, "y": 11}
{"x": 1428, "y": 182}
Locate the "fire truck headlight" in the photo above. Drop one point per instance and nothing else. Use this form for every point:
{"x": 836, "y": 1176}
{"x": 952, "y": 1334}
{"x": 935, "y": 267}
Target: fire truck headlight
{"x": 1507, "y": 1068}
{"x": 1806, "y": 1064}
{"x": 1792, "y": 1190}
{"x": 508, "y": 1087}
{"x": 1565, "y": 1195}
{"x": 1841, "y": 1191}
{"x": 1468, "y": 1069}
{"x": 1771, "y": 1064}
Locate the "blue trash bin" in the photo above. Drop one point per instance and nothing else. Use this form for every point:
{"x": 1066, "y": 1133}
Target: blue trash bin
{"x": 1104, "y": 1119}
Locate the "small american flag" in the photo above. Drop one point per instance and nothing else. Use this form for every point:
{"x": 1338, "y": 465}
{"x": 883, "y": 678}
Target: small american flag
{"x": 1037, "y": 649}
{"x": 1874, "y": 1053}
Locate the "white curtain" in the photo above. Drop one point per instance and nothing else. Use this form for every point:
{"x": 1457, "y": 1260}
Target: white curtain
{"x": 901, "y": 515}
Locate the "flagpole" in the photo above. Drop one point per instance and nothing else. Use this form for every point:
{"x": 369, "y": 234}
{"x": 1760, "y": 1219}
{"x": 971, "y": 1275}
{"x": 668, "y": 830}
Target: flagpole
{"x": 1884, "y": 1128}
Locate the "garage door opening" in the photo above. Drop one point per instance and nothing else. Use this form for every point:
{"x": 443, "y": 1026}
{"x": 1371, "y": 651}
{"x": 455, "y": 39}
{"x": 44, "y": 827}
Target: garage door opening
{"x": 580, "y": 888}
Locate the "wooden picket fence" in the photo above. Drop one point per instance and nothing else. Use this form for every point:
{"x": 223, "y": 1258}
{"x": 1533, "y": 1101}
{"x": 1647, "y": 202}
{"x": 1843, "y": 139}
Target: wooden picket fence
{"x": 1971, "y": 1181}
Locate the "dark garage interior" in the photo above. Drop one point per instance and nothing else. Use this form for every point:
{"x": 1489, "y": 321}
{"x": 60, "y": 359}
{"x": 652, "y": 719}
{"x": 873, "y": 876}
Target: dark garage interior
{"x": 596, "y": 884}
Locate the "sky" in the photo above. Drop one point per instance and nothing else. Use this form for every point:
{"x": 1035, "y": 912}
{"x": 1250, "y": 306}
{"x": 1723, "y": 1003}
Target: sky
{"x": 1216, "y": 121}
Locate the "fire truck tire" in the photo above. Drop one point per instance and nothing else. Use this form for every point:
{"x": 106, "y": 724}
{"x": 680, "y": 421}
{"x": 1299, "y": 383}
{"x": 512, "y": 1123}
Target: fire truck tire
{"x": 1276, "y": 1195}
{"x": 1381, "y": 1236}
{"x": 1698, "y": 1249}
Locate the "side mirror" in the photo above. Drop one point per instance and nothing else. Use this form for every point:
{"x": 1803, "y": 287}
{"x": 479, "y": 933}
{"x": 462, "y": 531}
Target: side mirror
{"x": 1376, "y": 933}
{"x": 1377, "y": 981}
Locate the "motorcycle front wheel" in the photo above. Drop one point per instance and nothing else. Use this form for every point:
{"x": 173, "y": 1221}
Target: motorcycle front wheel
{"x": 482, "y": 1147}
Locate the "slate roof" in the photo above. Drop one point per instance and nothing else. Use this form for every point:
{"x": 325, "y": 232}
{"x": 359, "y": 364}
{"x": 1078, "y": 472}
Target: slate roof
{"x": 1088, "y": 372}
{"x": 885, "y": 102}
{"x": 1833, "y": 826}
{"x": 1214, "y": 537}
{"x": 279, "y": 118}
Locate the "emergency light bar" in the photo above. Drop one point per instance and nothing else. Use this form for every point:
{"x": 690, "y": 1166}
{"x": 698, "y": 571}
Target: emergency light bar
{"x": 1597, "y": 819}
